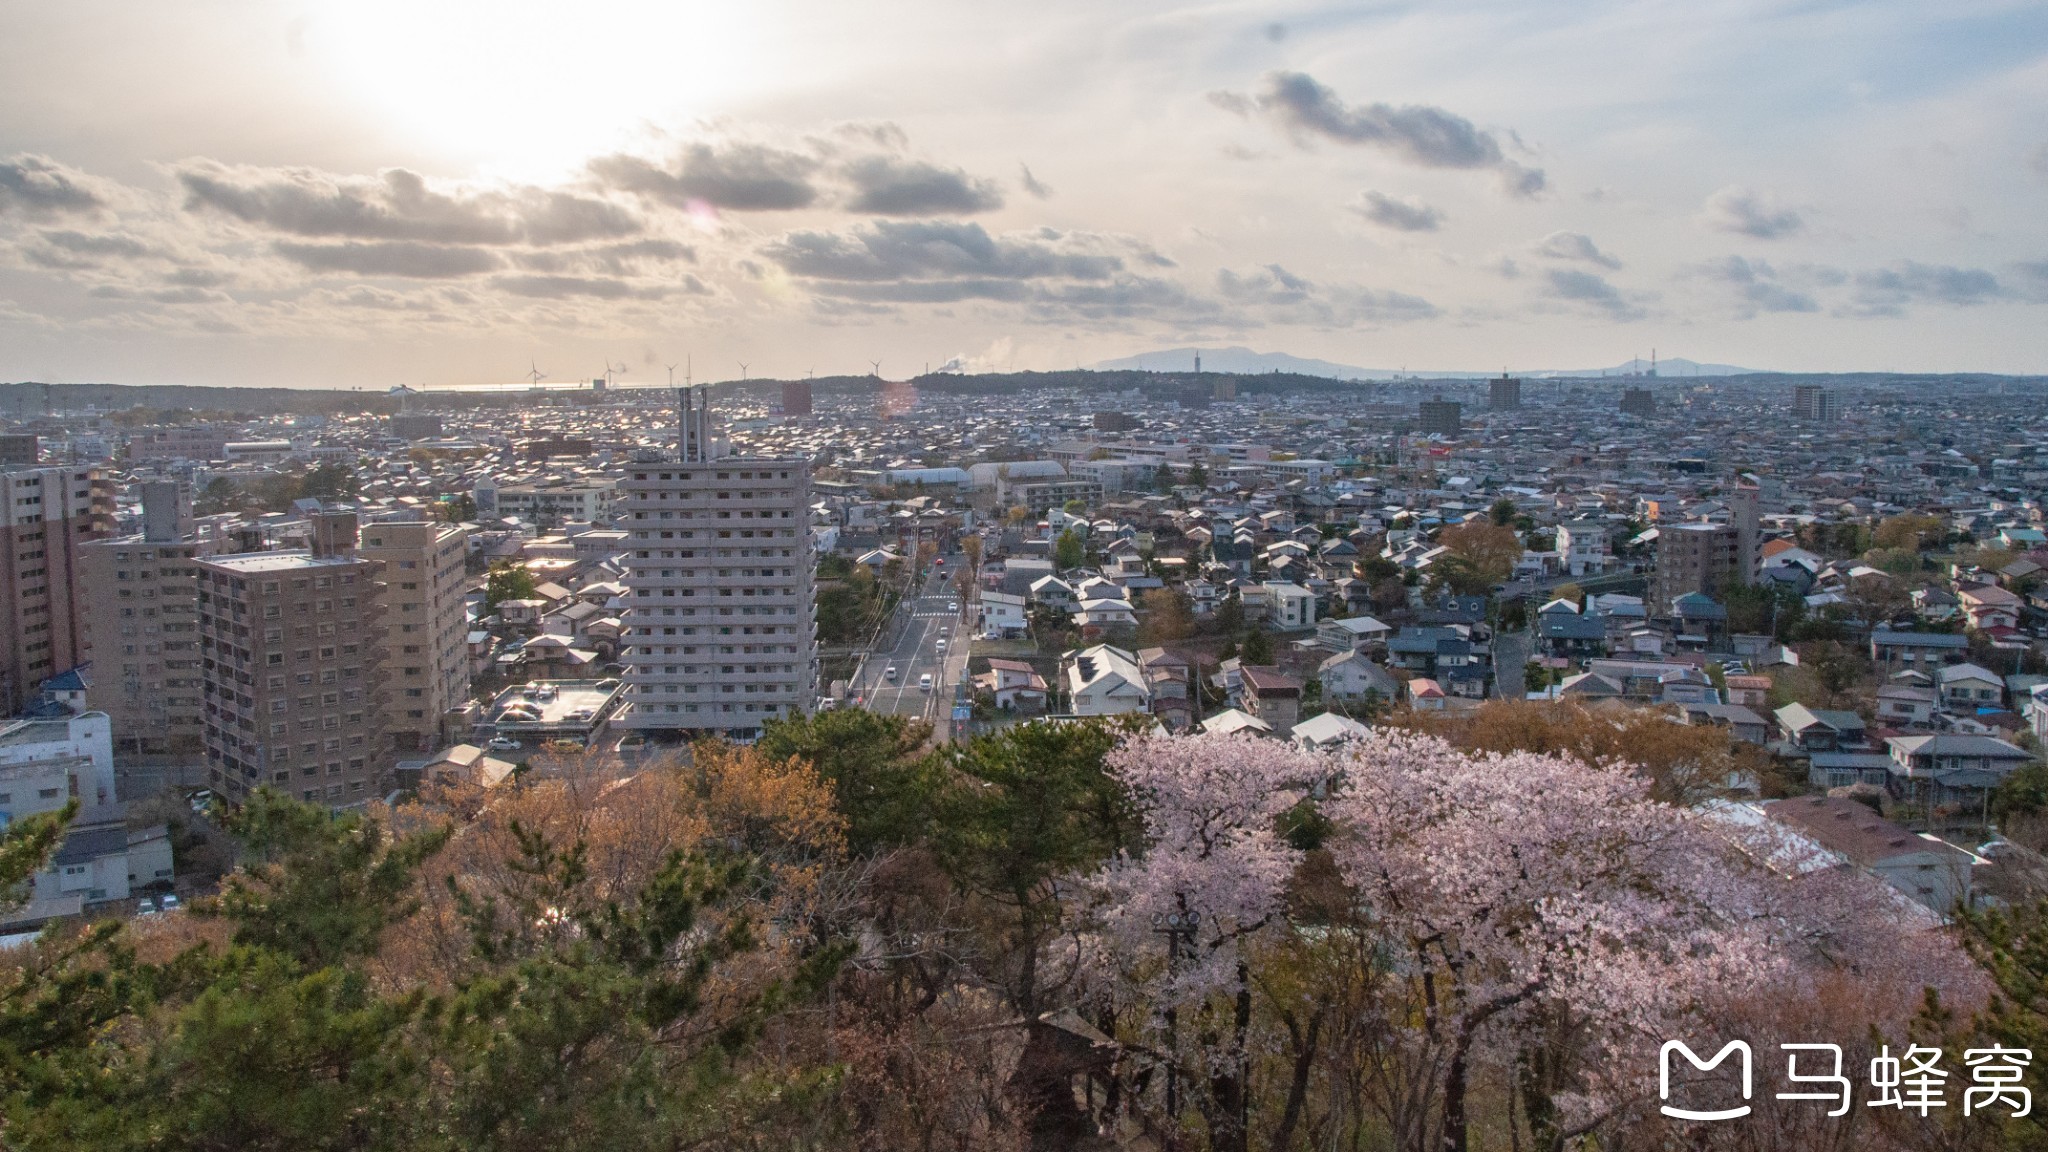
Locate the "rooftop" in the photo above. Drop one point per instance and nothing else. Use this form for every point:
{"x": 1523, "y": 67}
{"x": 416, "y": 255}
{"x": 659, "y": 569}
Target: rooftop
{"x": 278, "y": 561}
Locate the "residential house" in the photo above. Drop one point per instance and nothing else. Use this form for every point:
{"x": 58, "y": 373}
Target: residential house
{"x": 1170, "y": 677}
{"x": 1968, "y": 687}
{"x": 1016, "y": 686}
{"x": 1571, "y": 636}
{"x": 1742, "y": 724}
{"x": 1584, "y": 547}
{"x": 1846, "y": 769}
{"x": 1003, "y": 616}
{"x": 1988, "y": 606}
{"x": 1353, "y": 678}
{"x": 1290, "y": 607}
{"x": 1820, "y": 729}
{"x": 1327, "y": 730}
{"x": 1950, "y": 769}
{"x": 1351, "y": 633}
{"x": 1103, "y": 681}
{"x": 1927, "y": 869}
{"x": 1905, "y": 706}
{"x": 1272, "y": 696}
{"x": 1891, "y": 651}
{"x": 1748, "y": 691}
{"x": 1425, "y": 695}
{"x": 1233, "y": 721}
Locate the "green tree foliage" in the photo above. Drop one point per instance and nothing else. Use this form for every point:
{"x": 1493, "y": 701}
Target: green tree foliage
{"x": 220, "y": 495}
{"x": 1024, "y": 807}
{"x": 507, "y": 582}
{"x": 572, "y": 1022}
{"x": 1764, "y": 609}
{"x": 876, "y": 764}
{"x": 1909, "y": 532}
{"x": 459, "y": 508}
{"x": 1257, "y": 647}
{"x": 1230, "y": 615}
{"x": 1069, "y": 551}
{"x": 851, "y": 607}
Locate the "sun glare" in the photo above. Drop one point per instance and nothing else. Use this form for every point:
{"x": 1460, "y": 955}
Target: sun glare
{"x": 526, "y": 91}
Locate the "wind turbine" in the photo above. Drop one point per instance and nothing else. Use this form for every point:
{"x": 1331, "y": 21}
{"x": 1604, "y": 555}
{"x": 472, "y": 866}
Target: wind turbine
{"x": 743, "y": 370}
{"x": 608, "y": 370}
{"x": 671, "y": 376}
{"x": 878, "y": 368}
{"x": 536, "y": 373}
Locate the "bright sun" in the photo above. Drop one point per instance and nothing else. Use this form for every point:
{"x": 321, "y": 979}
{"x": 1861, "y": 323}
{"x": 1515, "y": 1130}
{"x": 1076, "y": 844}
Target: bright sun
{"x": 521, "y": 90}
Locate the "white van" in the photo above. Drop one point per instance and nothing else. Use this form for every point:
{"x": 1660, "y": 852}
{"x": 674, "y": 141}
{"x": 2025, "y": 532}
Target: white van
{"x": 924, "y": 682}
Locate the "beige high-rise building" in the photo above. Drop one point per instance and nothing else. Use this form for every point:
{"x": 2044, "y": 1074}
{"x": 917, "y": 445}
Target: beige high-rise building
{"x": 1694, "y": 557}
{"x": 425, "y": 631}
{"x": 47, "y": 515}
{"x": 144, "y": 629}
{"x": 292, "y": 669}
{"x": 721, "y": 619}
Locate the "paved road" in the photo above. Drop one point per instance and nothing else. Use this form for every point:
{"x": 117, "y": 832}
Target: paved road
{"x": 930, "y": 618}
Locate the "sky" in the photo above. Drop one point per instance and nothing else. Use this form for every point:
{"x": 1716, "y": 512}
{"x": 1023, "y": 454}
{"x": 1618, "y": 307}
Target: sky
{"x": 377, "y": 192}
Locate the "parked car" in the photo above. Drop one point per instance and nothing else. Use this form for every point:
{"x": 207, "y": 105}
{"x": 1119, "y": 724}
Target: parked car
{"x": 504, "y": 744}
{"x": 145, "y": 907}
{"x": 170, "y": 902}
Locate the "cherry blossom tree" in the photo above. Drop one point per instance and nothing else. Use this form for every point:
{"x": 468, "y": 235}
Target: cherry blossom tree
{"x": 1171, "y": 926}
{"x": 1528, "y": 922}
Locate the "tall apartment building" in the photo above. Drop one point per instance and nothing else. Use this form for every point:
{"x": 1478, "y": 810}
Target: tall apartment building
{"x": 1694, "y": 557}
{"x": 1441, "y": 417}
{"x": 144, "y": 627}
{"x": 1638, "y": 402}
{"x": 1504, "y": 393}
{"x": 292, "y": 669}
{"x": 721, "y": 617}
{"x": 796, "y": 397}
{"x": 47, "y": 515}
{"x": 425, "y": 632}
{"x": 1813, "y": 402}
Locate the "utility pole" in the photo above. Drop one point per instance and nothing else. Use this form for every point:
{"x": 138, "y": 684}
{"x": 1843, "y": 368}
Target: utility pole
{"x": 1178, "y": 927}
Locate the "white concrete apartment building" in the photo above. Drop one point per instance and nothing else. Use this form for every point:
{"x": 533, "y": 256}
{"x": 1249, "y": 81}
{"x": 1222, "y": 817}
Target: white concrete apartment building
{"x": 721, "y": 617}
{"x": 426, "y": 663}
{"x": 144, "y": 627}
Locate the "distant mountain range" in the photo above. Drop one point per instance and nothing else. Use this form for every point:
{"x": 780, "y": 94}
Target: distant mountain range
{"x": 1245, "y": 361}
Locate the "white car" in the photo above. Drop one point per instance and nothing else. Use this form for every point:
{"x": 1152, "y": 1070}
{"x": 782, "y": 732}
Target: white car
{"x": 889, "y": 673}
{"x": 954, "y": 607}
{"x": 942, "y": 645}
{"x": 504, "y": 744}
{"x": 924, "y": 682}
